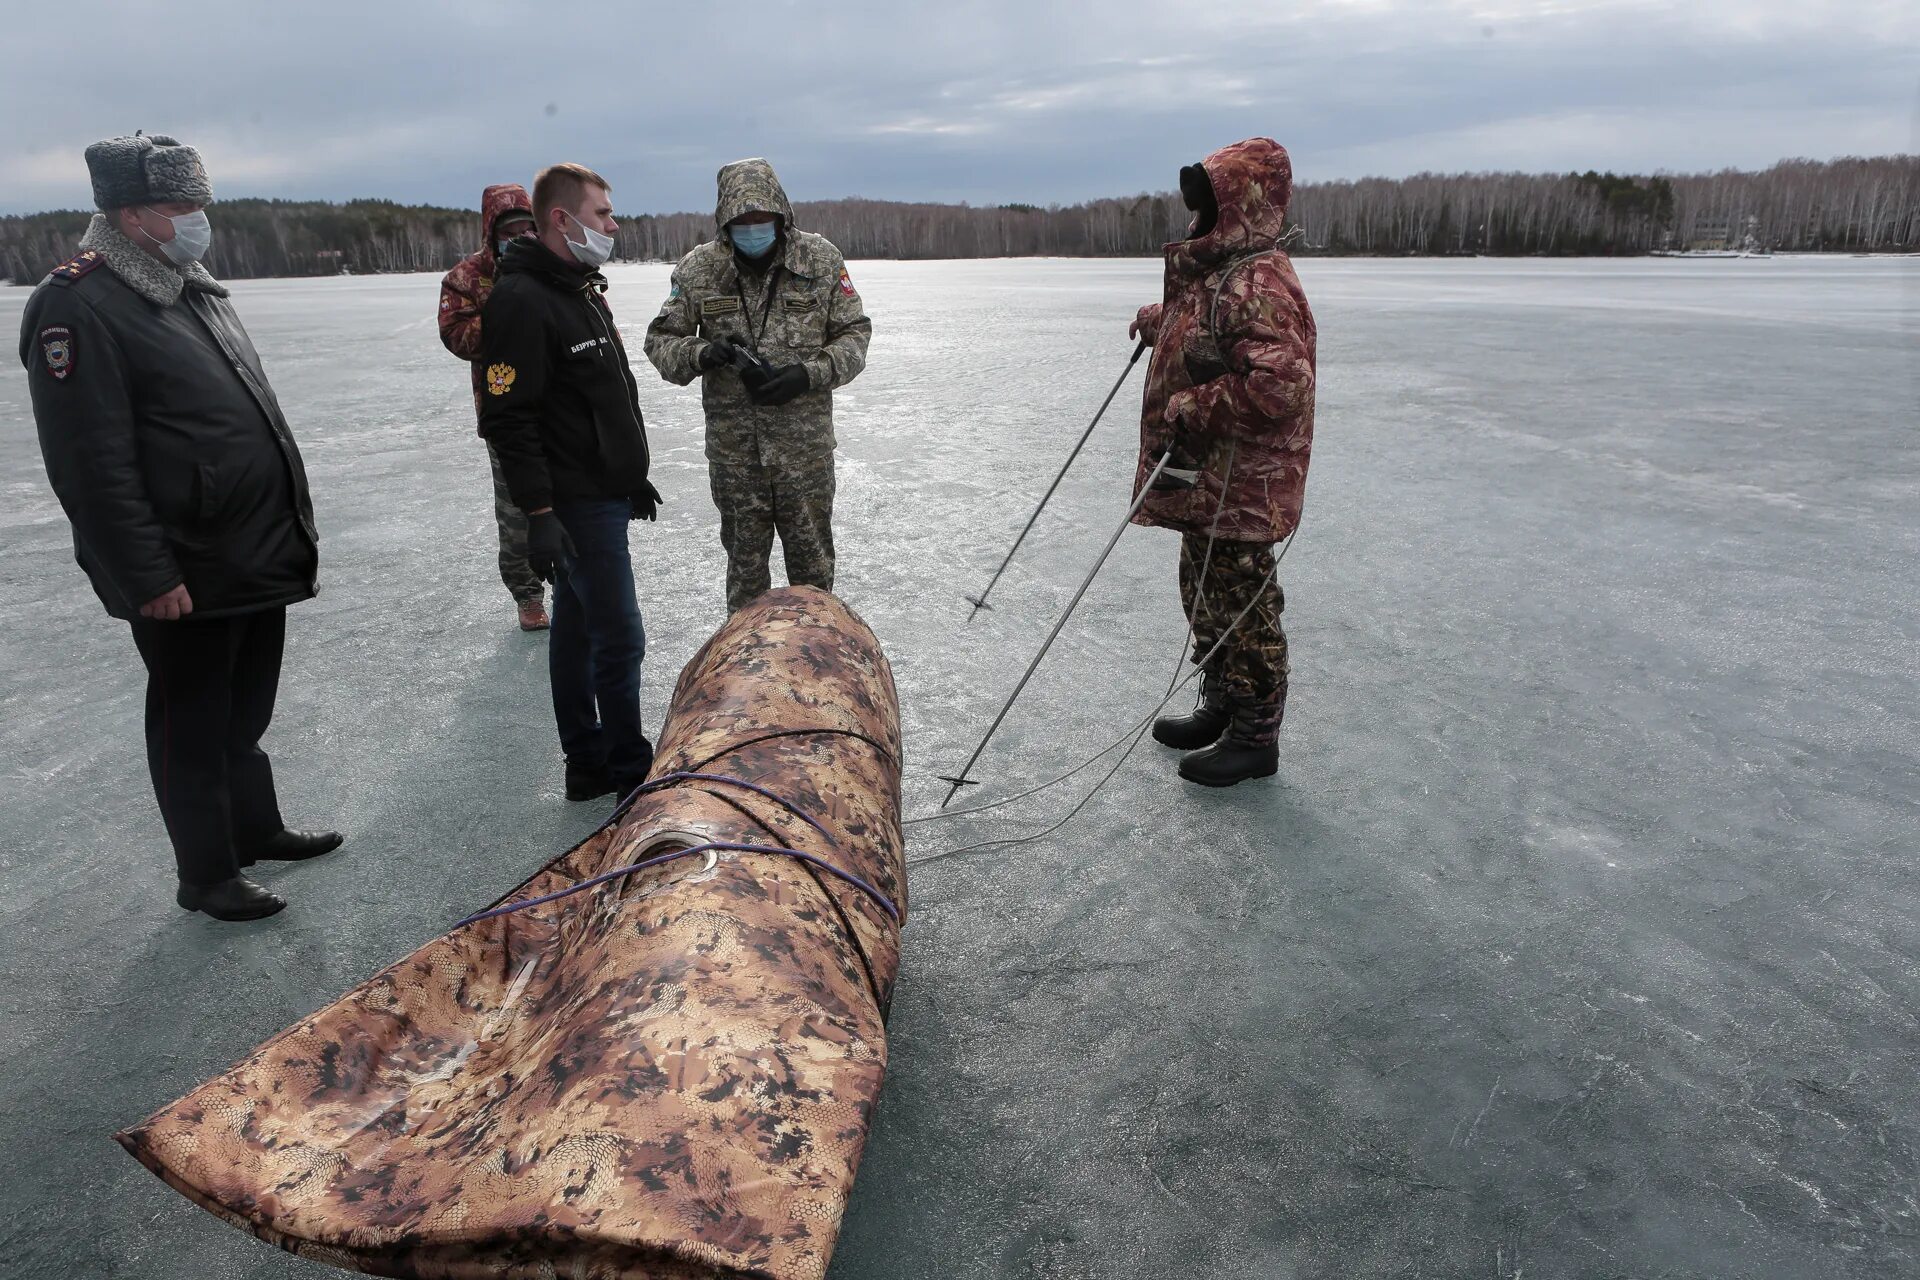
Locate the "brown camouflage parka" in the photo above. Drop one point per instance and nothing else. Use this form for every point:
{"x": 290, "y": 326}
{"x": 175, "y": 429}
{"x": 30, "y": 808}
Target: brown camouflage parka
{"x": 802, "y": 310}
{"x": 1247, "y": 399}
{"x": 464, "y": 290}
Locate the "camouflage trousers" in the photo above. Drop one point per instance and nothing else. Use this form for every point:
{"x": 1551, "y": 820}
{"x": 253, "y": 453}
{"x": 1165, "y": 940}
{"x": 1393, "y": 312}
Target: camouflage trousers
{"x": 758, "y": 500}
{"x": 514, "y": 569}
{"x": 1252, "y": 664}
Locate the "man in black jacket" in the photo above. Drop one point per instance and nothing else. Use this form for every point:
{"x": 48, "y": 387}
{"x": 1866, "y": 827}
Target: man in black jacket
{"x": 562, "y": 411}
{"x": 188, "y": 500}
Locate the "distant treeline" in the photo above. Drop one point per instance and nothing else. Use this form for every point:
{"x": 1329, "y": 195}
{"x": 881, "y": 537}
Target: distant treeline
{"x": 1849, "y": 204}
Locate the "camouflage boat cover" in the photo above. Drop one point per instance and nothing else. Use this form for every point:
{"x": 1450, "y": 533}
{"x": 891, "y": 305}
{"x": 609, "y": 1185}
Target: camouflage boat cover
{"x": 669, "y": 1076}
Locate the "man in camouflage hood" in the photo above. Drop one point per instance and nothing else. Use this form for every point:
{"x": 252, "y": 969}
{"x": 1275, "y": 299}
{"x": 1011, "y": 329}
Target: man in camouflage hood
{"x": 506, "y": 214}
{"x": 1230, "y": 396}
{"x": 767, "y": 317}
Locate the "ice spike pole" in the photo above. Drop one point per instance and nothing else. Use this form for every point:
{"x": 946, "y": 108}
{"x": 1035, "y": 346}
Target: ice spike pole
{"x": 960, "y": 779}
{"x": 979, "y": 602}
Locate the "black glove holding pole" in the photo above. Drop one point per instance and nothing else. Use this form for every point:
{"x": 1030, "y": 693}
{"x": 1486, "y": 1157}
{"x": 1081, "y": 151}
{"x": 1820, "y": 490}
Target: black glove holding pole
{"x": 549, "y": 549}
{"x": 1184, "y": 454}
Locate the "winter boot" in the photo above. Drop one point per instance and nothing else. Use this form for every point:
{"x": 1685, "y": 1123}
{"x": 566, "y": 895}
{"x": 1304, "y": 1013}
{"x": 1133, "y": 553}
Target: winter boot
{"x": 1202, "y": 726}
{"x": 1250, "y": 749}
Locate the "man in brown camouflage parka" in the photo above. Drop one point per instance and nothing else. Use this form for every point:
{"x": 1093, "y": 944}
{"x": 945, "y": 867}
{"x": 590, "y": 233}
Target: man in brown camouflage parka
{"x": 1230, "y": 393}
{"x": 782, "y": 296}
{"x": 505, "y": 212}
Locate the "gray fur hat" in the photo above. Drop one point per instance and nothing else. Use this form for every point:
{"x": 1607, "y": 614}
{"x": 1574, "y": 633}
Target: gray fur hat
{"x": 146, "y": 169}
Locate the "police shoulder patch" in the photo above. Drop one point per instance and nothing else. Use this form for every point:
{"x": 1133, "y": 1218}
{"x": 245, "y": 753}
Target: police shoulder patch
{"x": 77, "y": 266}
{"x": 500, "y": 379}
{"x": 56, "y": 348}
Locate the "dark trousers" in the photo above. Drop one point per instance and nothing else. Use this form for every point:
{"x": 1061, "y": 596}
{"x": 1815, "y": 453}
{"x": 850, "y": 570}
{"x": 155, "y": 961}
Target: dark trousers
{"x": 597, "y": 643}
{"x": 210, "y": 691}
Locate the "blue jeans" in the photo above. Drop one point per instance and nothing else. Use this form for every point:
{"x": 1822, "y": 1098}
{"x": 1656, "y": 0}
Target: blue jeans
{"x": 596, "y": 645}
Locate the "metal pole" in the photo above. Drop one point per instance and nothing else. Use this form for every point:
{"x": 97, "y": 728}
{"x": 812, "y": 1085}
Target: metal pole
{"x": 979, "y": 602}
{"x": 961, "y": 779}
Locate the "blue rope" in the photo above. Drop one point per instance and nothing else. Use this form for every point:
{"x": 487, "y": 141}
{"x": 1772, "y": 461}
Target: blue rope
{"x": 885, "y": 903}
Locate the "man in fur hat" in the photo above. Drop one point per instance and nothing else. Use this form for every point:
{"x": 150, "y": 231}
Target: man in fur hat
{"x": 188, "y": 498}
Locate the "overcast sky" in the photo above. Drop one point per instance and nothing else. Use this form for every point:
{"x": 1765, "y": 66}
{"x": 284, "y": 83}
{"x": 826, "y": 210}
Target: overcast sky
{"x": 991, "y": 101}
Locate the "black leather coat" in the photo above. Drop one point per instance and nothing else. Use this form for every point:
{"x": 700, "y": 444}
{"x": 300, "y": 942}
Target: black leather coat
{"x": 166, "y": 446}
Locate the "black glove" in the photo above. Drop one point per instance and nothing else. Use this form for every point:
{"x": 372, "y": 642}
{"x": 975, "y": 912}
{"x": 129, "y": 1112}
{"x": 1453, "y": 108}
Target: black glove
{"x": 549, "y": 549}
{"x": 1184, "y": 456}
{"x": 788, "y": 381}
{"x": 715, "y": 355}
{"x": 646, "y": 503}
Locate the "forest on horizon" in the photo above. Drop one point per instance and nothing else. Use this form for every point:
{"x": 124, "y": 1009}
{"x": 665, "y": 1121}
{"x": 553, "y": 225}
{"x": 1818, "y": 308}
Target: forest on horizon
{"x": 1851, "y": 204}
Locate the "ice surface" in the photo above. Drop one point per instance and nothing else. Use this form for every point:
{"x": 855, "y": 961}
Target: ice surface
{"x": 1577, "y": 935}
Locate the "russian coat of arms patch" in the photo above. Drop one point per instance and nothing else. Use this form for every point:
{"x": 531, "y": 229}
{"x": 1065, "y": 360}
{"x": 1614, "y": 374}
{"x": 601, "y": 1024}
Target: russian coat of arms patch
{"x": 56, "y": 344}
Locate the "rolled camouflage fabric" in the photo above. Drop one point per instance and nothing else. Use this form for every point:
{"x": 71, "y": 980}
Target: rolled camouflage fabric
{"x": 668, "y": 1076}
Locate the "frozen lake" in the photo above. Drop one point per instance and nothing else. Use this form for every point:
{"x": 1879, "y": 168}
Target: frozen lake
{"x": 1576, "y": 937}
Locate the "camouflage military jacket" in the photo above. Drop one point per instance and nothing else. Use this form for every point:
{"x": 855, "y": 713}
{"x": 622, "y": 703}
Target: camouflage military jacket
{"x": 802, "y": 309}
{"x": 1233, "y": 361}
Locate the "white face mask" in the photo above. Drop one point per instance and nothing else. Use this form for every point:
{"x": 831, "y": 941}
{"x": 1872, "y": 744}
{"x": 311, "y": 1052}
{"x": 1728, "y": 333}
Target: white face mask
{"x": 597, "y": 249}
{"x": 192, "y": 236}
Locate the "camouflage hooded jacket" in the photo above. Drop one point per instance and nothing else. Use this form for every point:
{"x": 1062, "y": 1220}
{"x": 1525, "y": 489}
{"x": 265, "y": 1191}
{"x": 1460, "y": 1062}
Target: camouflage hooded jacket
{"x": 1234, "y": 359}
{"x": 802, "y": 309}
{"x": 464, "y": 290}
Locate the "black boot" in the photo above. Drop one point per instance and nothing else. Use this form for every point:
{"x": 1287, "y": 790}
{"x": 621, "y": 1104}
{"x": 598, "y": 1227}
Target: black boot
{"x": 235, "y": 899}
{"x": 293, "y": 846}
{"x": 1203, "y": 725}
{"x": 1247, "y": 751}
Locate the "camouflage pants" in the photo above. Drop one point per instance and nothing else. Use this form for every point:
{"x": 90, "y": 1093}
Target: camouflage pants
{"x": 755, "y": 502}
{"x": 514, "y": 569}
{"x": 1252, "y": 664}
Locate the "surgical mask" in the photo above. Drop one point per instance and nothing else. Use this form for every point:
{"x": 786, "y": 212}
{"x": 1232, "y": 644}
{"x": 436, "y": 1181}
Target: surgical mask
{"x": 192, "y": 237}
{"x": 753, "y": 238}
{"x": 597, "y": 249}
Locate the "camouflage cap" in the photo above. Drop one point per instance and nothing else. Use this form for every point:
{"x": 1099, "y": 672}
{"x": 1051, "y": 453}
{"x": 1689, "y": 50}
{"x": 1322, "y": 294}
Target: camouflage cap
{"x": 147, "y": 168}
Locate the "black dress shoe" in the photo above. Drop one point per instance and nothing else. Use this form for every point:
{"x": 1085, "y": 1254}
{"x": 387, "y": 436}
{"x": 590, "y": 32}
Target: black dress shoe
{"x": 235, "y": 899}
{"x": 586, "y": 782}
{"x": 294, "y": 846}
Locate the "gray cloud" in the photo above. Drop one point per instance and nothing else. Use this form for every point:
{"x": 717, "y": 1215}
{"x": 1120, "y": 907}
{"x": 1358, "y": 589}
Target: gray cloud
{"x": 987, "y": 102}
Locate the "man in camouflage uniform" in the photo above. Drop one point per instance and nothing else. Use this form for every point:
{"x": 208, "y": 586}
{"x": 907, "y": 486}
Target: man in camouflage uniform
{"x": 506, "y": 214}
{"x": 1230, "y": 397}
{"x": 767, "y": 317}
